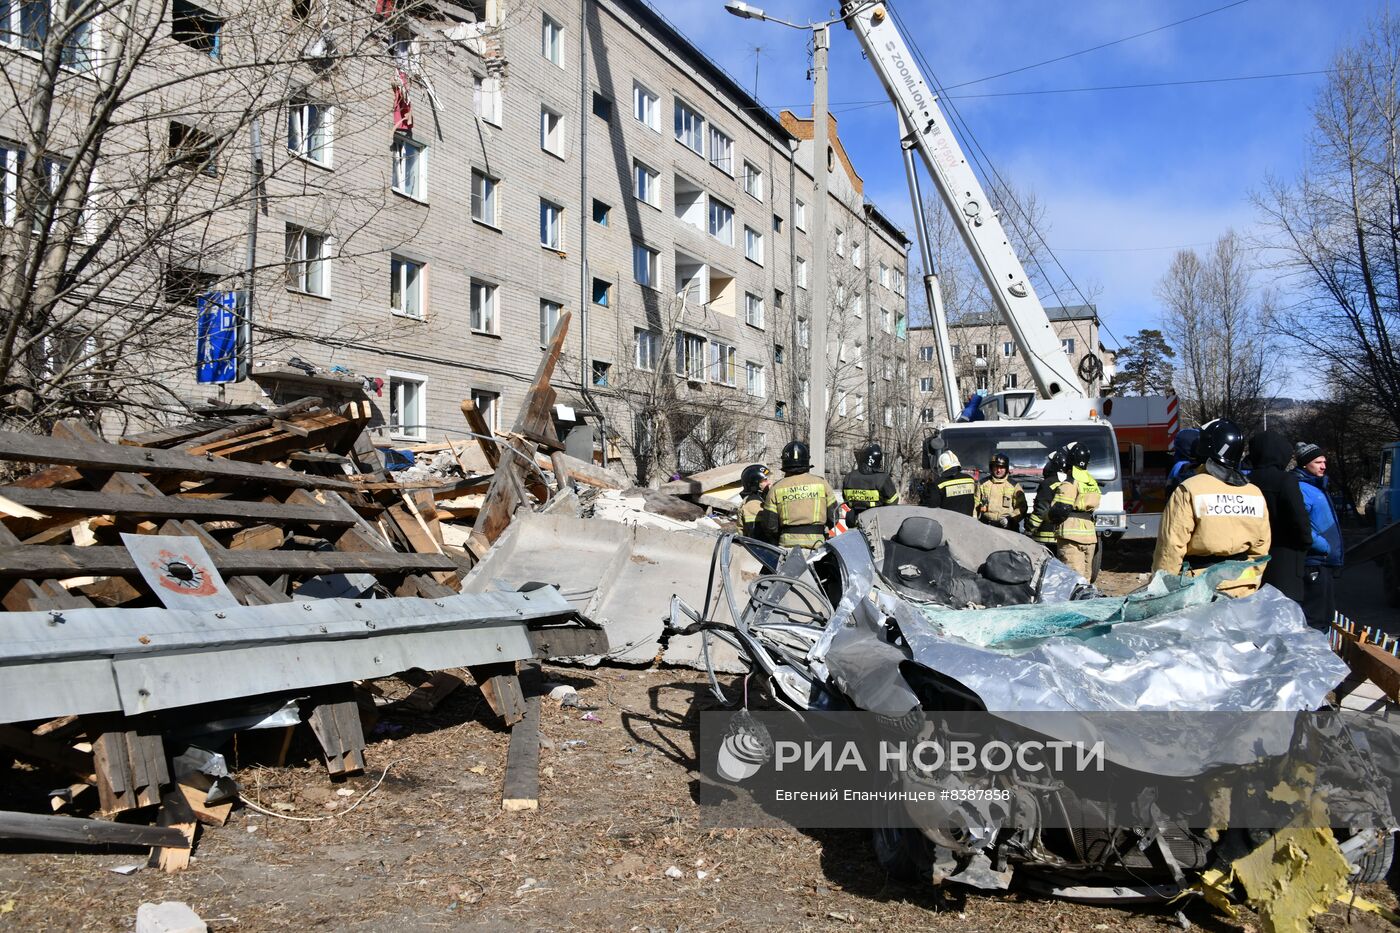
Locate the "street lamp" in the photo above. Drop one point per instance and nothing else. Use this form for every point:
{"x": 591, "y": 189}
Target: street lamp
{"x": 816, "y": 401}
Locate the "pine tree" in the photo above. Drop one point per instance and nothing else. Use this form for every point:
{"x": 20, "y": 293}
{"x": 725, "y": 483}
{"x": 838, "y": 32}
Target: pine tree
{"x": 1144, "y": 366}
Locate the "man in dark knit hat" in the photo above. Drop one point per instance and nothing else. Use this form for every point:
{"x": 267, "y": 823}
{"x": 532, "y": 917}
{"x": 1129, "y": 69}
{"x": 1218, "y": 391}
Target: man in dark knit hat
{"x": 1324, "y": 558}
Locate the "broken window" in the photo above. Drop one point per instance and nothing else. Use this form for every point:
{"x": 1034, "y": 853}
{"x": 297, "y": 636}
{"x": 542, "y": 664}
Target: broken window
{"x": 601, "y": 213}
{"x": 483, "y": 307}
{"x": 406, "y": 287}
{"x": 184, "y": 286}
{"x": 309, "y": 130}
{"x": 755, "y": 379}
{"x": 307, "y": 269}
{"x": 602, "y": 292}
{"x": 406, "y": 407}
{"x": 192, "y": 148}
{"x": 601, "y": 373}
{"x": 410, "y": 167}
{"x": 195, "y": 27}
{"x": 602, "y": 106}
{"x": 486, "y": 95}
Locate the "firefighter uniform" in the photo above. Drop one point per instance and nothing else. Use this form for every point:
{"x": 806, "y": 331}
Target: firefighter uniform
{"x": 862, "y": 491}
{"x": 1076, "y": 535}
{"x": 1002, "y": 498}
{"x": 748, "y": 515}
{"x": 798, "y": 509}
{"x": 1208, "y": 520}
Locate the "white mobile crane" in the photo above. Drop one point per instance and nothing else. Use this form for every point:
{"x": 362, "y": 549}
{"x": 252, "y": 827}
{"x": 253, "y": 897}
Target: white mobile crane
{"x": 1022, "y": 426}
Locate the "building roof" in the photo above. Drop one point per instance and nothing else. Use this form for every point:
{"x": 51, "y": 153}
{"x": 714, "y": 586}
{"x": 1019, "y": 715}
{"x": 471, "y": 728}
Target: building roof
{"x": 890, "y": 226}
{"x": 1054, "y": 313}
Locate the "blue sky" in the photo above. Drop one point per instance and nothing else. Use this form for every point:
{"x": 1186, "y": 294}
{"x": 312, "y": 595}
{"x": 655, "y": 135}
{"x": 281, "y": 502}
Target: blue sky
{"x": 1126, "y": 176}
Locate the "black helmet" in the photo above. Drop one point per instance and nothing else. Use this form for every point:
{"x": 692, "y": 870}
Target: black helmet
{"x": 797, "y": 458}
{"x": 870, "y": 459}
{"x": 1221, "y": 441}
{"x": 1056, "y": 466}
{"x": 1076, "y": 455}
{"x": 999, "y": 460}
{"x": 753, "y": 476}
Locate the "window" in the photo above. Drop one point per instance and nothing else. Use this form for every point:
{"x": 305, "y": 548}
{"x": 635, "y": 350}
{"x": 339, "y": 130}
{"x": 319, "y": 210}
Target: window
{"x": 410, "y": 169}
{"x": 306, "y": 262}
{"x": 926, "y": 354}
{"x": 646, "y": 107}
{"x": 195, "y": 27}
{"x": 489, "y": 404}
{"x": 887, "y": 368}
{"x": 983, "y": 381}
{"x": 309, "y": 131}
{"x": 753, "y": 182}
{"x": 406, "y": 397}
{"x": 645, "y": 184}
{"x": 483, "y": 307}
{"x": 889, "y": 416}
{"x": 1009, "y": 381}
{"x": 778, "y": 298}
{"x": 644, "y": 264}
{"x": 484, "y": 198}
{"x": 778, "y": 353}
{"x": 841, "y": 405}
{"x": 801, "y": 272}
{"x": 552, "y": 41}
{"x": 690, "y": 128}
{"x": 602, "y": 292}
{"x": 899, "y": 282}
{"x": 601, "y": 372}
{"x": 1008, "y": 348}
{"x": 860, "y": 408}
{"x": 647, "y": 344}
{"x": 406, "y": 287}
{"x": 753, "y": 310}
{"x": 690, "y": 356}
{"x": 552, "y": 132}
{"x": 886, "y": 324}
{"x": 758, "y": 444}
{"x": 840, "y": 242}
{"x": 858, "y": 256}
{"x": 722, "y": 363}
{"x": 884, "y": 275}
{"x": 721, "y": 151}
{"x": 302, "y": 10}
{"x": 602, "y": 107}
{"x": 601, "y": 213}
{"x": 980, "y": 351}
{"x": 549, "y": 319}
{"x": 804, "y": 388}
{"x": 1068, "y": 345}
{"x": 780, "y": 411}
{"x": 804, "y": 332}
{"x": 858, "y": 306}
{"x": 799, "y": 216}
{"x": 777, "y": 224}
{"x": 721, "y": 222}
{"x": 957, "y": 351}
{"x": 11, "y": 161}
{"x": 486, "y": 96}
{"x": 925, "y": 383}
{"x": 926, "y": 415}
{"x": 192, "y": 148}
{"x": 753, "y": 245}
{"x": 755, "y": 380}
{"x": 25, "y": 23}
{"x": 184, "y": 286}
{"x": 551, "y": 225}
{"x": 901, "y": 326}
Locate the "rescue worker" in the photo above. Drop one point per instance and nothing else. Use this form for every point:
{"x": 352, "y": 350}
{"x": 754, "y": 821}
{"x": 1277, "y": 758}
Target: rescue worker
{"x": 1072, "y": 512}
{"x": 755, "y": 479}
{"x": 951, "y": 489}
{"x": 800, "y": 507}
{"x": 1001, "y": 501}
{"x": 1038, "y": 525}
{"x": 868, "y": 485}
{"x": 1290, "y": 534}
{"x": 1184, "y": 461}
{"x": 1215, "y": 514}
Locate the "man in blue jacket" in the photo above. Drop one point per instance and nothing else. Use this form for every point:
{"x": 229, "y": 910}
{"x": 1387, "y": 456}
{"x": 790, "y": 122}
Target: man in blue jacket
{"x": 1324, "y": 558}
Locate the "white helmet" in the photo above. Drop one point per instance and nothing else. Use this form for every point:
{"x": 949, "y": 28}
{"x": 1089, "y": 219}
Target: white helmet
{"x": 948, "y": 461}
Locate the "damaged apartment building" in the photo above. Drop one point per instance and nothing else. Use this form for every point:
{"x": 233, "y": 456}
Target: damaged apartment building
{"x": 405, "y": 197}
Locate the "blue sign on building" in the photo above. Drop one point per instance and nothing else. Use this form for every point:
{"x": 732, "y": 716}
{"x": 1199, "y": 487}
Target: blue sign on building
{"x": 218, "y": 331}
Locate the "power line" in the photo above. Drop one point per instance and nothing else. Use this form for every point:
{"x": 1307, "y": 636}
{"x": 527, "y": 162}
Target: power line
{"x": 1095, "y": 48}
{"x": 1145, "y": 84}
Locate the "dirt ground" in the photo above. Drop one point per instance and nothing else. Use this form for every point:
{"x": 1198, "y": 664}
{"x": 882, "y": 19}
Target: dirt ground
{"x": 431, "y": 848}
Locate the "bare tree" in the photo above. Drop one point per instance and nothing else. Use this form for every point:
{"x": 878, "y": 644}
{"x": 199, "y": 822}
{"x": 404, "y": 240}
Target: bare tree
{"x": 1222, "y": 326}
{"x": 1339, "y": 223}
{"x": 149, "y": 143}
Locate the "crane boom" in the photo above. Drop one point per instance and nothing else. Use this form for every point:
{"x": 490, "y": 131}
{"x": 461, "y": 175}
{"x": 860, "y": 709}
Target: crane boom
{"x": 1051, "y": 368}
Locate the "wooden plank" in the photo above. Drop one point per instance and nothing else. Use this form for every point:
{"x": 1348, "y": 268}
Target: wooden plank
{"x": 209, "y": 814}
{"x": 176, "y": 813}
{"x": 520, "y": 788}
{"x": 47, "y": 561}
{"x": 588, "y": 473}
{"x": 501, "y": 687}
{"x": 536, "y": 418}
{"x": 249, "y": 590}
{"x": 705, "y": 480}
{"x": 31, "y": 448}
{"x": 130, "y": 770}
{"x": 50, "y": 477}
{"x": 49, "y": 751}
{"x": 429, "y": 691}
{"x": 1370, "y": 662}
{"x": 335, "y": 720}
{"x": 259, "y": 538}
{"x": 86, "y": 832}
{"x": 171, "y": 435}
{"x": 477, "y": 422}
{"x": 148, "y": 506}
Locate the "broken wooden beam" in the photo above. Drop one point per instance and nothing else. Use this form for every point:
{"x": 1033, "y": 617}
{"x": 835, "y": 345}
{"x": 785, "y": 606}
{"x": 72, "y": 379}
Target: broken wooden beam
{"x": 520, "y": 787}
{"x": 47, "y": 561}
{"x": 335, "y": 720}
{"x": 148, "y": 506}
{"x": 69, "y": 829}
{"x": 477, "y": 422}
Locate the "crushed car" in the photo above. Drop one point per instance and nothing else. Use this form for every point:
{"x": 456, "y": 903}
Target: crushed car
{"x": 923, "y": 616}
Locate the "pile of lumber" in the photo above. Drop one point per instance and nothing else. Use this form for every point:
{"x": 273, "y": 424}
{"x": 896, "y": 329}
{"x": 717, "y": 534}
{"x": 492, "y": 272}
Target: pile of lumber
{"x": 241, "y": 563}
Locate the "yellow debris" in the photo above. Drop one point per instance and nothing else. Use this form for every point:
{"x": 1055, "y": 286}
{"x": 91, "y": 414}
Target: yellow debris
{"x": 1352, "y": 899}
{"x": 1292, "y": 877}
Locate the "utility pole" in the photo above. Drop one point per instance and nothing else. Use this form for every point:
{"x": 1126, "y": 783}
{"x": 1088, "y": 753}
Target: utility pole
{"x": 816, "y": 402}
